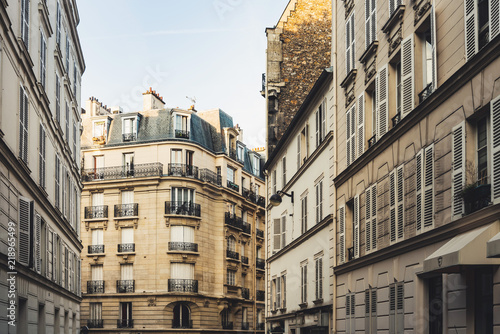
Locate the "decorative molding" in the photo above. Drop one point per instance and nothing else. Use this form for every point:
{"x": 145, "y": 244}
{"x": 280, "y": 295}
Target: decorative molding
{"x": 396, "y": 17}
{"x": 348, "y": 6}
{"x": 395, "y": 39}
{"x": 420, "y": 9}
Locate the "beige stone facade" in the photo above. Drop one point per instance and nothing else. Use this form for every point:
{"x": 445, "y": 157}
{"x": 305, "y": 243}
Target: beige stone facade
{"x": 172, "y": 222}
{"x": 41, "y": 63}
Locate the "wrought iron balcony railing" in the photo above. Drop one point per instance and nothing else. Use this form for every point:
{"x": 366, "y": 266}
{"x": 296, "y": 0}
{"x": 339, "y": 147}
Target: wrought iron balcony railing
{"x": 233, "y": 220}
{"x": 260, "y": 263}
{"x": 227, "y": 325}
{"x": 125, "y": 323}
{"x": 233, "y": 186}
{"x": 245, "y": 293}
{"x": 124, "y": 286}
{"x": 129, "y": 137}
{"x": 182, "y": 208}
{"x": 182, "y": 285}
{"x": 260, "y": 295}
{"x": 244, "y": 259}
{"x": 232, "y": 255}
{"x": 210, "y": 176}
{"x": 126, "y": 248}
{"x": 232, "y": 154}
{"x": 95, "y": 212}
{"x": 247, "y": 228}
{"x": 176, "y": 323}
{"x": 96, "y": 249}
{"x": 426, "y": 92}
{"x": 183, "y": 170}
{"x": 261, "y": 326}
{"x": 95, "y": 323}
{"x": 182, "y": 134}
{"x": 396, "y": 119}
{"x": 245, "y": 326}
{"x": 121, "y": 172}
{"x": 259, "y": 233}
{"x": 261, "y": 201}
{"x": 182, "y": 246}
{"x": 95, "y": 287}
{"x": 127, "y": 210}
{"x": 372, "y": 141}
{"x": 245, "y": 192}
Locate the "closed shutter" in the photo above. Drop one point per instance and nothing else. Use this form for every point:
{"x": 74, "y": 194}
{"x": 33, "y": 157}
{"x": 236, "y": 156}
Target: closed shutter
{"x": 58, "y": 25}
{"x": 323, "y": 120}
{"x": 127, "y": 272}
{"x": 400, "y": 307}
{"x": 318, "y": 129}
{"x": 350, "y": 44}
{"x": 342, "y": 234}
{"x": 407, "y": 90}
{"x": 429, "y": 187}
{"x": 64, "y": 192}
{"x": 38, "y": 244}
{"x": 420, "y": 186}
{"x": 373, "y": 305}
{"x": 78, "y": 275}
{"x": 400, "y": 202}
{"x": 392, "y": 309}
{"x": 58, "y": 99}
{"x": 495, "y": 140}
{"x": 25, "y": 225}
{"x": 392, "y": 216}
{"x": 48, "y": 263}
{"x": 55, "y": 247}
{"x": 62, "y": 267}
{"x": 356, "y": 227}
{"x": 457, "y": 170}
{"x": 374, "y": 217}
{"x": 41, "y": 154}
{"x": 351, "y": 135}
{"x": 320, "y": 277}
{"x": 434, "y": 48}
{"x": 348, "y": 315}
{"x": 23, "y": 125}
{"x": 361, "y": 125}
{"x": 299, "y": 160}
{"x": 43, "y": 58}
{"x": 370, "y": 22}
{"x": 57, "y": 176}
{"x": 471, "y": 28}
{"x": 494, "y": 18}
{"x": 278, "y": 292}
{"x": 277, "y": 234}
{"x": 368, "y": 215}
{"x": 382, "y": 102}
{"x": 25, "y": 22}
{"x": 283, "y": 231}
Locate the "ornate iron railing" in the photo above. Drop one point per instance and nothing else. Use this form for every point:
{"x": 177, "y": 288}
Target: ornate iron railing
{"x": 175, "y": 169}
{"x": 260, "y": 295}
{"x": 260, "y": 263}
{"x": 120, "y": 172}
{"x": 182, "y": 246}
{"x": 95, "y": 323}
{"x": 125, "y": 323}
{"x": 129, "y": 137}
{"x": 95, "y": 287}
{"x": 244, "y": 259}
{"x": 209, "y": 176}
{"x": 247, "y": 228}
{"x": 261, "y": 201}
{"x": 182, "y": 285}
{"x": 227, "y": 325}
{"x": 426, "y": 92}
{"x": 245, "y": 192}
{"x": 123, "y": 286}
{"x": 95, "y": 212}
{"x": 233, "y": 220}
{"x": 233, "y": 186}
{"x": 96, "y": 249}
{"x": 259, "y": 233}
{"x": 245, "y": 293}
{"x": 182, "y": 208}
{"x": 232, "y": 254}
{"x": 176, "y": 323}
{"x": 245, "y": 326}
{"x": 182, "y": 134}
{"x": 372, "y": 141}
{"x": 126, "y": 248}
{"x": 127, "y": 210}
{"x": 232, "y": 154}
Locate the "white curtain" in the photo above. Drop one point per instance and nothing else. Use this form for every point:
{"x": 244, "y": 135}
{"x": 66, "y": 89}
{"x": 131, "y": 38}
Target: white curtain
{"x": 97, "y": 237}
{"x": 95, "y": 311}
{"x": 182, "y": 270}
{"x": 127, "y": 272}
{"x": 97, "y": 273}
{"x": 176, "y": 156}
{"x": 127, "y": 235}
{"x": 128, "y": 197}
{"x": 182, "y": 234}
{"x": 97, "y": 199}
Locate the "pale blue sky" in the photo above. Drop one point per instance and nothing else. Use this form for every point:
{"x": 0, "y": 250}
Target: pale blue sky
{"x": 213, "y": 50}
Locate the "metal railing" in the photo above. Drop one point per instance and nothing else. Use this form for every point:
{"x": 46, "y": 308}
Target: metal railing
{"x": 95, "y": 212}
{"x": 233, "y": 186}
{"x": 95, "y": 323}
{"x": 182, "y": 208}
{"x": 245, "y": 293}
{"x": 245, "y": 326}
{"x": 182, "y": 134}
{"x": 260, "y": 263}
{"x": 232, "y": 255}
{"x": 232, "y": 153}
{"x": 182, "y": 246}
{"x": 95, "y": 287}
{"x": 247, "y": 228}
{"x": 182, "y": 285}
{"x": 259, "y": 233}
{"x": 260, "y": 295}
{"x": 124, "y": 286}
{"x": 261, "y": 201}
{"x": 233, "y": 220}
{"x": 426, "y": 92}
{"x": 127, "y": 210}
{"x": 96, "y": 249}
{"x": 126, "y": 248}
{"x": 227, "y": 325}
{"x": 372, "y": 141}
{"x": 176, "y": 323}
{"x": 125, "y": 323}
{"x": 244, "y": 259}
{"x": 175, "y": 169}
{"x": 210, "y": 176}
{"x": 120, "y": 172}
{"x": 261, "y": 326}
{"x": 129, "y": 137}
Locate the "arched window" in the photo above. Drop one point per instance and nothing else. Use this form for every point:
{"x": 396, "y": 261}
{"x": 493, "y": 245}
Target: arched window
{"x": 182, "y": 317}
{"x": 225, "y": 319}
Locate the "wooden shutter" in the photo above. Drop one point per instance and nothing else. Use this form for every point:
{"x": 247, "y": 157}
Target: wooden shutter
{"x": 471, "y": 28}
{"x": 299, "y": 160}
{"x": 55, "y": 244}
{"x": 23, "y": 125}
{"x": 25, "y": 225}
{"x": 495, "y": 140}
{"x": 400, "y": 202}
{"x": 348, "y": 314}
{"x": 361, "y": 125}
{"x": 57, "y": 174}
{"x": 434, "y": 48}
{"x": 429, "y": 187}
{"x": 370, "y": 22}
{"x": 318, "y": 132}
{"x": 457, "y": 170}
{"x": 494, "y": 17}
{"x": 323, "y": 120}
{"x": 392, "y": 309}
{"x": 356, "y": 227}
{"x": 41, "y": 153}
{"x": 350, "y": 44}
{"x": 351, "y": 135}
{"x": 38, "y": 244}
{"x": 382, "y": 102}
{"x": 342, "y": 234}
{"x": 374, "y": 217}
{"x": 277, "y": 234}
{"x": 407, "y": 90}
{"x": 400, "y": 307}
{"x": 283, "y": 231}
{"x": 25, "y": 22}
{"x": 368, "y": 214}
{"x": 392, "y": 216}
{"x": 420, "y": 186}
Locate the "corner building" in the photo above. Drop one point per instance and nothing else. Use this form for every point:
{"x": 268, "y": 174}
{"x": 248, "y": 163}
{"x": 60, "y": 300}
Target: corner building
{"x": 41, "y": 64}
{"x": 172, "y": 222}
{"x": 418, "y": 178}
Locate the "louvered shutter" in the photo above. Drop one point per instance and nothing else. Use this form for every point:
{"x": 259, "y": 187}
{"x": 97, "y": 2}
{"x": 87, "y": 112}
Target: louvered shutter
{"x": 429, "y": 187}
{"x": 320, "y": 201}
{"x": 495, "y": 140}
{"x": 316, "y": 267}
{"x": 277, "y": 234}
{"x": 342, "y": 234}
{"x": 368, "y": 215}
{"x": 374, "y": 217}
{"x": 400, "y": 307}
{"x": 392, "y": 216}
{"x": 348, "y": 136}
{"x": 23, "y": 125}
{"x": 320, "y": 274}
{"x": 373, "y": 304}
{"x": 494, "y": 17}
{"x": 58, "y": 24}
{"x": 434, "y": 48}
{"x": 356, "y": 227}
{"x": 407, "y": 90}
{"x": 323, "y": 120}
{"x": 351, "y": 135}
{"x": 25, "y": 224}
{"x": 63, "y": 198}
{"x": 400, "y": 202}
{"x": 419, "y": 185}
{"x": 48, "y": 253}
{"x": 61, "y": 262}
{"x": 283, "y": 231}
{"x": 43, "y": 58}
{"x": 361, "y": 125}
{"x": 348, "y": 313}
{"x": 382, "y": 103}
{"x": 471, "y": 28}
{"x": 368, "y": 25}
{"x": 317, "y": 128}
{"x": 392, "y": 309}
{"x": 54, "y": 256}
{"x": 25, "y": 22}
{"x": 57, "y": 190}
{"x": 348, "y": 45}
{"x": 41, "y": 153}
{"x": 78, "y": 275}
{"x": 457, "y": 170}
{"x": 367, "y": 311}
{"x": 299, "y": 160}
{"x": 38, "y": 244}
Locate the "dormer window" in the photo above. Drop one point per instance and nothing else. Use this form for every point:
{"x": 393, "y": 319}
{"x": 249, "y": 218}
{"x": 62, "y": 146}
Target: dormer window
{"x": 99, "y": 131}
{"x": 255, "y": 160}
{"x": 182, "y": 126}
{"x": 240, "y": 153}
{"x": 129, "y": 129}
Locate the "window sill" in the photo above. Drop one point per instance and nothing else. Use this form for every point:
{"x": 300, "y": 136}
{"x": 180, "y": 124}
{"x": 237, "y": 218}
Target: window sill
{"x": 96, "y": 254}
{"x": 371, "y": 50}
{"x": 303, "y": 305}
{"x": 395, "y": 18}
{"x": 351, "y": 76}
{"x": 318, "y": 301}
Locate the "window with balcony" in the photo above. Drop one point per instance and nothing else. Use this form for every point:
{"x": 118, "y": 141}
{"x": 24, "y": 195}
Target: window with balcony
{"x": 95, "y": 320}
{"x": 182, "y": 202}
{"x": 97, "y": 245}
{"x": 96, "y": 284}
{"x": 125, "y": 320}
{"x": 231, "y": 248}
{"x": 99, "y": 132}
{"x": 127, "y": 243}
{"x": 182, "y": 278}
{"x": 231, "y": 277}
{"x": 129, "y": 129}
{"x": 126, "y": 282}
{"x": 98, "y": 210}
{"x": 182, "y": 239}
{"x": 182, "y": 316}
{"x": 182, "y": 126}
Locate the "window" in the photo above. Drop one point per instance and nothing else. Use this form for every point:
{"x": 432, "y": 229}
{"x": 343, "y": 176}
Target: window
{"x": 95, "y": 312}
{"x": 182, "y": 271}
{"x": 283, "y": 291}
{"x": 319, "y": 201}
{"x": 479, "y": 30}
{"x": 404, "y": 79}
{"x": 393, "y": 6}
{"x": 350, "y": 44}
{"x": 396, "y": 303}
{"x": 99, "y": 130}
{"x": 351, "y": 135}
{"x": 342, "y": 241}
{"x": 43, "y": 58}
{"x": 273, "y": 186}
{"x": 435, "y": 305}
{"x": 355, "y": 228}
{"x": 283, "y": 165}
{"x": 382, "y": 109}
{"x": 482, "y": 151}
{"x": 398, "y": 87}
{"x": 58, "y": 99}
{"x": 255, "y": 164}
{"x": 360, "y": 145}
{"x": 231, "y": 244}
{"x": 75, "y": 136}
{"x": 230, "y": 174}
{"x": 25, "y": 22}
{"x": 67, "y": 53}
{"x": 57, "y": 190}
{"x": 126, "y": 271}
{"x": 350, "y": 311}
{"x": 371, "y": 218}
{"x": 240, "y": 153}
{"x": 302, "y": 147}
{"x": 181, "y": 126}
{"x": 320, "y": 123}
{"x": 370, "y": 22}
{"x": 319, "y": 278}
{"x": 396, "y": 183}
{"x": 97, "y": 237}
{"x": 23, "y": 124}
{"x": 128, "y": 164}
{"x": 182, "y": 317}
{"x": 58, "y": 25}
{"x": 278, "y": 293}
{"x": 427, "y": 40}
{"x": 75, "y": 79}
{"x": 303, "y": 215}
{"x": 125, "y": 315}
{"x": 279, "y": 233}
{"x": 425, "y": 189}
{"x": 129, "y": 129}
{"x": 41, "y": 155}
{"x": 184, "y": 234}
{"x": 182, "y": 196}
{"x": 303, "y": 283}
{"x": 371, "y": 310}
{"x": 231, "y": 277}
{"x": 67, "y": 123}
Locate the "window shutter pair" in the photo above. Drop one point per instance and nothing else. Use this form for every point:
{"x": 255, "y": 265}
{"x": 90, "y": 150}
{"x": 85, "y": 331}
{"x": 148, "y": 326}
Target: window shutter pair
{"x": 370, "y": 22}
{"x": 351, "y": 135}
{"x": 342, "y": 234}
{"x": 396, "y": 309}
{"x": 495, "y": 140}
{"x": 472, "y": 25}
{"x": 350, "y": 44}
{"x": 350, "y": 310}
{"x": 23, "y": 125}
{"x": 371, "y": 218}
{"x": 396, "y": 182}
{"x": 393, "y": 5}
{"x": 25, "y": 241}
{"x": 457, "y": 170}
{"x": 355, "y": 240}
{"x": 319, "y": 278}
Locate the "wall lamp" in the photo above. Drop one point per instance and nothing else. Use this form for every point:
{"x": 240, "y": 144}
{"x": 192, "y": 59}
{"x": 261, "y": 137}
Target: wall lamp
{"x": 275, "y": 199}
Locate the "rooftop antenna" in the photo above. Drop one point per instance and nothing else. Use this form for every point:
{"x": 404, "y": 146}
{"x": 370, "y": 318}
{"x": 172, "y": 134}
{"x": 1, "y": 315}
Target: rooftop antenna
{"x": 192, "y": 99}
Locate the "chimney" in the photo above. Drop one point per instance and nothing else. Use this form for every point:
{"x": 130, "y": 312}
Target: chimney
{"x": 95, "y": 108}
{"x": 151, "y": 100}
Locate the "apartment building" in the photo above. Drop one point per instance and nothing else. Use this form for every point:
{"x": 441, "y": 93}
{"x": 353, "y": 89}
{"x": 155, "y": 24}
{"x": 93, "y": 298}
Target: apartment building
{"x": 417, "y": 184}
{"x": 172, "y": 221}
{"x": 300, "y": 218}
{"x": 41, "y": 64}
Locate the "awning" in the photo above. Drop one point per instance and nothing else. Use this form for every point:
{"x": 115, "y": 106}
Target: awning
{"x": 493, "y": 246}
{"x": 463, "y": 250}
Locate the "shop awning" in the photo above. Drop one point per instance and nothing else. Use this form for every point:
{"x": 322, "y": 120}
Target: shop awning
{"x": 465, "y": 249}
{"x": 493, "y": 246}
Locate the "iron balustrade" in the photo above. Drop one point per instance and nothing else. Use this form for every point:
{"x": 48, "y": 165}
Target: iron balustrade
{"x": 95, "y": 323}
{"x": 259, "y": 233}
{"x": 260, "y": 263}
{"x": 182, "y": 246}
{"x": 244, "y": 259}
{"x": 129, "y": 137}
{"x": 175, "y": 169}
{"x": 232, "y": 220}
{"x": 96, "y": 212}
{"x": 396, "y": 119}
{"x": 96, "y": 249}
{"x": 426, "y": 92}
{"x": 245, "y": 293}
{"x": 125, "y": 323}
{"x": 233, "y": 186}
{"x": 245, "y": 192}
{"x": 245, "y": 326}
{"x": 182, "y": 208}
{"x": 261, "y": 201}
{"x": 182, "y": 285}
{"x": 95, "y": 287}
{"x": 126, "y": 248}
{"x": 176, "y": 323}
{"x": 124, "y": 286}
{"x": 182, "y": 134}
{"x": 227, "y": 325}
{"x": 210, "y": 176}
{"x": 232, "y": 153}
{"x": 261, "y": 326}
{"x": 120, "y": 172}
{"x": 247, "y": 228}
{"x": 232, "y": 254}
{"x": 372, "y": 141}
{"x": 260, "y": 295}
{"x": 127, "y": 210}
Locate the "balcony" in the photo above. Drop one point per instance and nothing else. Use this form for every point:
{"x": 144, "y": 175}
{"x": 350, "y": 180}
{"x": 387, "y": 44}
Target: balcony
{"x": 245, "y": 326}
{"x": 232, "y": 220}
{"x": 244, "y": 260}
{"x": 121, "y": 172}
{"x": 96, "y": 249}
{"x": 211, "y": 177}
{"x": 396, "y": 119}
{"x": 227, "y": 325}
{"x": 372, "y": 141}
{"x": 233, "y": 186}
{"x": 95, "y": 287}
{"x": 232, "y": 255}
{"x": 476, "y": 196}
{"x": 185, "y": 323}
{"x": 182, "y": 134}
{"x": 259, "y": 233}
{"x": 182, "y": 285}
{"x": 183, "y": 208}
{"x": 96, "y": 212}
{"x": 260, "y": 295}
{"x": 125, "y": 286}
{"x": 129, "y": 137}
{"x": 126, "y": 210}
{"x": 260, "y": 263}
{"x": 261, "y": 201}
{"x": 247, "y": 228}
{"x": 425, "y": 93}
{"x": 95, "y": 323}
{"x": 245, "y": 293}
{"x": 182, "y": 246}
{"x": 183, "y": 170}
{"x": 232, "y": 154}
{"x": 126, "y": 248}
{"x": 125, "y": 323}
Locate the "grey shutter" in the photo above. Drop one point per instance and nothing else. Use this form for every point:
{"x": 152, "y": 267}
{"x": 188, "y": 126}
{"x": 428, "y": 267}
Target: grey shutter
{"x": 342, "y": 234}
{"x": 25, "y": 22}
{"x": 25, "y": 225}
{"x": 373, "y": 303}
{"x": 495, "y": 140}
{"x": 299, "y": 162}
{"x": 368, "y": 215}
{"x": 58, "y": 25}
{"x": 429, "y": 187}
{"x": 368, "y": 25}
{"x": 54, "y": 256}
{"x": 400, "y": 202}
{"x": 471, "y": 28}
{"x": 41, "y": 153}
{"x": 494, "y": 17}
{"x": 374, "y": 217}
{"x": 38, "y": 244}
{"x": 57, "y": 175}
{"x": 323, "y": 120}
{"x": 23, "y": 125}
{"x": 382, "y": 102}
{"x": 393, "y": 219}
{"x": 356, "y": 227}
{"x": 348, "y": 313}
{"x": 400, "y": 307}
{"x": 419, "y": 185}
{"x": 361, "y": 125}
{"x": 277, "y": 234}
{"x": 283, "y": 231}
{"x": 348, "y": 50}
{"x": 318, "y": 138}
{"x": 457, "y": 170}
{"x": 434, "y": 48}
{"x": 348, "y": 137}
{"x": 392, "y": 309}
{"x": 407, "y": 55}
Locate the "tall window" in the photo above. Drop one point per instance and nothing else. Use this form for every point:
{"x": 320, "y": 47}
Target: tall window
{"x": 302, "y": 147}
{"x": 180, "y": 196}
{"x": 303, "y": 283}
{"x": 371, "y": 310}
{"x": 279, "y": 233}
{"x": 23, "y": 125}
{"x": 231, "y": 277}
{"x": 304, "y": 214}
{"x": 97, "y": 237}
{"x": 283, "y": 165}
{"x": 398, "y": 87}
{"x": 181, "y": 126}
{"x": 128, "y": 164}
{"x": 319, "y": 278}
{"x": 25, "y": 22}
{"x": 283, "y": 291}
{"x": 57, "y": 176}
{"x": 67, "y": 123}
{"x": 320, "y": 123}
{"x": 58, "y": 25}
{"x": 479, "y": 30}
{"x": 58, "y": 99}
{"x": 370, "y": 22}
{"x": 273, "y": 186}
{"x": 482, "y": 151}
{"x": 99, "y": 129}
{"x": 182, "y": 318}
{"x": 126, "y": 314}
{"x": 41, "y": 153}
{"x": 319, "y": 201}
{"x": 396, "y": 191}
{"x": 96, "y": 312}
{"x": 67, "y": 53}
{"x": 350, "y": 312}
{"x": 255, "y": 164}
{"x": 43, "y": 58}
{"x": 371, "y": 218}
{"x": 350, "y": 44}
